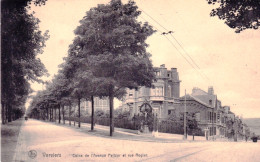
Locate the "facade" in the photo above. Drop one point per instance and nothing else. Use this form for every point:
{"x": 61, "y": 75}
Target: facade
{"x": 210, "y": 115}
{"x": 162, "y": 96}
{"x": 99, "y": 104}
{"x": 202, "y": 112}
{"x": 217, "y": 113}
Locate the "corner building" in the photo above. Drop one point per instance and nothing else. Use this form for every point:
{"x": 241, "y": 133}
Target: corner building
{"x": 163, "y": 96}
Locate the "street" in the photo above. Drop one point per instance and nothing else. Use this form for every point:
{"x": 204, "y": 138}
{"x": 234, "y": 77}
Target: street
{"x": 45, "y": 141}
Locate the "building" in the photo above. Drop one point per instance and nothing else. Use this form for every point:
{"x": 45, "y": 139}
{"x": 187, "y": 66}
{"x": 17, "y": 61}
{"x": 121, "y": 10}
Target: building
{"x": 162, "y": 96}
{"x": 99, "y": 104}
{"x": 199, "y": 109}
{"x": 218, "y": 127}
{"x": 210, "y": 115}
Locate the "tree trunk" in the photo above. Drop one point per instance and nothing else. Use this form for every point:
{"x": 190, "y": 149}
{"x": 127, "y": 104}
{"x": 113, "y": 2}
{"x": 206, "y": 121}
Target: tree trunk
{"x": 92, "y": 113}
{"x": 111, "y": 105}
{"x": 55, "y": 114}
{"x": 9, "y": 111}
{"x": 63, "y": 113}
{"x": 79, "y": 110}
{"x": 69, "y": 114}
{"x": 74, "y": 115}
{"x": 3, "y": 113}
{"x": 51, "y": 114}
{"x": 59, "y": 115}
{"x": 6, "y": 113}
{"x": 47, "y": 114}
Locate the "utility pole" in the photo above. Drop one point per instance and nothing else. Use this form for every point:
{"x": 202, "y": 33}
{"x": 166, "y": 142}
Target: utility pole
{"x": 184, "y": 120}
{"x": 212, "y": 124}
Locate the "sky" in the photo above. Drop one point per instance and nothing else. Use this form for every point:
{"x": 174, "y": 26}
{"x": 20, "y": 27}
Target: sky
{"x": 224, "y": 59}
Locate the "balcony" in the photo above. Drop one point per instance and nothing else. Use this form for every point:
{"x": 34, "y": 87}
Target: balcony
{"x": 157, "y": 98}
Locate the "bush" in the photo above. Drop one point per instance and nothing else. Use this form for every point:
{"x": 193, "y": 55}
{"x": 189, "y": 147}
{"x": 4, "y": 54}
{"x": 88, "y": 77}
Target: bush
{"x": 166, "y": 126}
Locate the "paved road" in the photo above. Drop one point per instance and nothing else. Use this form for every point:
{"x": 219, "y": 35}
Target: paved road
{"x": 53, "y": 142}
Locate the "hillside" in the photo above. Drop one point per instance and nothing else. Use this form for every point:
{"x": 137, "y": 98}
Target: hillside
{"x": 254, "y": 124}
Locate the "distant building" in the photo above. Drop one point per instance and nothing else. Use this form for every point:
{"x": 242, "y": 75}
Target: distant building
{"x": 226, "y": 109}
{"x": 162, "y": 97}
{"x": 99, "y": 104}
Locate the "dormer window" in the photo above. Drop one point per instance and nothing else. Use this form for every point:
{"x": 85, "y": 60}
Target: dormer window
{"x": 210, "y": 102}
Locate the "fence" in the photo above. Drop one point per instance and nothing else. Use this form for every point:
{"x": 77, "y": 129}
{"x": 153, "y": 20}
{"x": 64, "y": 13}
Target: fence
{"x": 174, "y": 127}
{"x": 170, "y": 127}
{"x": 119, "y": 123}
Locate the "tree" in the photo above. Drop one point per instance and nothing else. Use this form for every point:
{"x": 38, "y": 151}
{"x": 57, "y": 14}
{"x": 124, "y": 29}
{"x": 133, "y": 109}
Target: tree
{"x": 238, "y": 14}
{"x": 111, "y": 42}
{"x": 60, "y": 88}
{"x": 21, "y": 42}
{"x": 39, "y": 105}
{"x": 192, "y": 124}
{"x": 88, "y": 87}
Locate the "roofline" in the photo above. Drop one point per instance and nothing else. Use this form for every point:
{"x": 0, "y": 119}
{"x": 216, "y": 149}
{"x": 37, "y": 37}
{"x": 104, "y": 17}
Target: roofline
{"x": 199, "y": 101}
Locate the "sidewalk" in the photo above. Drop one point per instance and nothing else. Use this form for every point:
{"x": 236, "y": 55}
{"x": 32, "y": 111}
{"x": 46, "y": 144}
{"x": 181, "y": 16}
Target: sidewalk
{"x": 127, "y": 134}
{"x": 9, "y": 138}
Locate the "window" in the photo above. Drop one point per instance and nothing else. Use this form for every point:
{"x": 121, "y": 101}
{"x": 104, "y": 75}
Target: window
{"x": 153, "y": 92}
{"x": 140, "y": 92}
{"x": 197, "y": 116}
{"x": 95, "y": 101}
{"x": 130, "y": 94}
{"x": 157, "y": 73}
{"x": 210, "y": 102}
{"x": 157, "y": 91}
{"x": 169, "y": 112}
{"x": 169, "y": 91}
{"x": 160, "y": 91}
{"x": 156, "y": 111}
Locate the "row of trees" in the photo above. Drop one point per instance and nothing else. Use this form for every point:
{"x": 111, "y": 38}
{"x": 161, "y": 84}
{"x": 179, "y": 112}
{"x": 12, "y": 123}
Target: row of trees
{"x": 22, "y": 41}
{"x": 108, "y": 55}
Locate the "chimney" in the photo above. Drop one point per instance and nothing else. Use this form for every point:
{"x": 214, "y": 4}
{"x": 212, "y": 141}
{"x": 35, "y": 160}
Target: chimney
{"x": 194, "y": 89}
{"x": 174, "y": 69}
{"x": 210, "y": 90}
{"x": 162, "y": 66}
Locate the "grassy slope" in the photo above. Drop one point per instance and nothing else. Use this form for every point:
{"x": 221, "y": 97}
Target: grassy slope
{"x": 254, "y": 124}
{"x": 9, "y": 135}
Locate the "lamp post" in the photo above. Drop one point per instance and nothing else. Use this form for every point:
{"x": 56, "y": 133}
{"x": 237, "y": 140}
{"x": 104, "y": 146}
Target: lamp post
{"x": 184, "y": 120}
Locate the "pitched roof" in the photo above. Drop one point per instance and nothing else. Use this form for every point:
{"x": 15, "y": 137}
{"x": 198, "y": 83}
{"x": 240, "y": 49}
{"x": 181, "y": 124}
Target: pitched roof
{"x": 190, "y": 97}
{"x": 198, "y": 91}
{"x": 207, "y": 98}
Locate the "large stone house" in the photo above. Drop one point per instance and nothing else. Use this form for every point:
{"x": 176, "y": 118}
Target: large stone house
{"x": 162, "y": 96}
